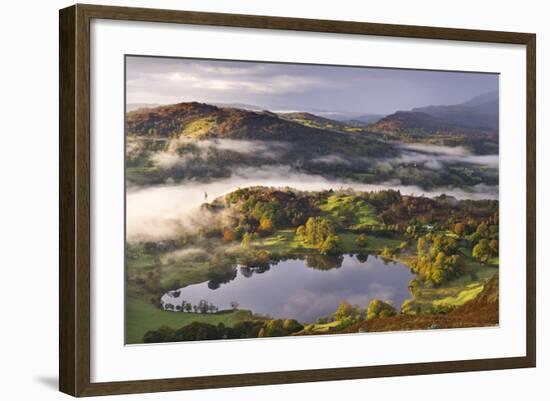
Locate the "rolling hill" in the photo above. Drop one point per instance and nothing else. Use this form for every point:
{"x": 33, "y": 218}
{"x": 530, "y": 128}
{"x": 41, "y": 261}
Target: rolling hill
{"x": 204, "y": 142}
{"x": 201, "y": 121}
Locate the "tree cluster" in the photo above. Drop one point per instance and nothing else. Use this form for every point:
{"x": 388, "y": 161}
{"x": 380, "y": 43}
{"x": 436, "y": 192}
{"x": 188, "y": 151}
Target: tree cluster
{"x": 206, "y": 331}
{"x": 438, "y": 258}
{"x": 377, "y": 309}
{"x": 319, "y": 232}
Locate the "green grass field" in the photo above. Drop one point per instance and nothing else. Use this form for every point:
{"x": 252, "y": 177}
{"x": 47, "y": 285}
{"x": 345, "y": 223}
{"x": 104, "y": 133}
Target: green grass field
{"x": 322, "y": 327}
{"x": 349, "y": 209}
{"x": 142, "y": 316}
{"x": 458, "y": 291}
{"x": 283, "y": 242}
{"x": 171, "y": 274}
{"x": 467, "y": 294}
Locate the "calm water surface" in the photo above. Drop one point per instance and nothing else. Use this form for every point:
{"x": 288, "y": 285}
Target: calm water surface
{"x": 295, "y": 289}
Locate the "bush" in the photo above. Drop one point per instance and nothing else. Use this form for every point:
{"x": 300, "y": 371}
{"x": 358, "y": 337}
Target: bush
{"x": 387, "y": 253}
{"x": 409, "y": 307}
{"x": 482, "y": 251}
{"x": 198, "y": 331}
{"x": 459, "y": 229}
{"x": 332, "y": 245}
{"x": 274, "y": 328}
{"x": 292, "y": 326}
{"x": 379, "y": 309}
{"x": 246, "y": 329}
{"x": 162, "y": 335}
{"x": 345, "y": 310}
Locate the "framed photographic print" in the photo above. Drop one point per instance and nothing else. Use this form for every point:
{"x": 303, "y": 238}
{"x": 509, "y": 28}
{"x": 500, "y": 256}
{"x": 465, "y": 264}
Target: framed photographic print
{"x": 250, "y": 200}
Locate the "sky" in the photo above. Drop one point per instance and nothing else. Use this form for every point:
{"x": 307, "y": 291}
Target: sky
{"x": 298, "y": 87}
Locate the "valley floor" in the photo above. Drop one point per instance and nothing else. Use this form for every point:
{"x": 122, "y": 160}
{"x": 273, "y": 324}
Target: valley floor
{"x": 143, "y": 315}
{"x": 436, "y": 301}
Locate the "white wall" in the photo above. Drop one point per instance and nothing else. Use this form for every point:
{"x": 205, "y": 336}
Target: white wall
{"x": 28, "y": 200}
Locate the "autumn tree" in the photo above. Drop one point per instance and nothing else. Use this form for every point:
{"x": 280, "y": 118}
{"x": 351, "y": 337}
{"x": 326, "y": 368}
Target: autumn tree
{"x": 332, "y": 245}
{"x": 482, "y": 230}
{"x": 228, "y": 234}
{"x": 274, "y": 328}
{"x": 318, "y": 231}
{"x": 481, "y": 251}
{"x": 266, "y": 226}
{"x": 377, "y": 309}
{"x": 247, "y": 239}
{"x": 300, "y": 233}
{"x": 422, "y": 246}
{"x": 386, "y": 253}
{"x": 438, "y": 258}
{"x": 344, "y": 310}
{"x": 459, "y": 229}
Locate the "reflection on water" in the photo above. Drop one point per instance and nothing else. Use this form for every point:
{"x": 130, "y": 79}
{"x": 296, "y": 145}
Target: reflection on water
{"x": 302, "y": 289}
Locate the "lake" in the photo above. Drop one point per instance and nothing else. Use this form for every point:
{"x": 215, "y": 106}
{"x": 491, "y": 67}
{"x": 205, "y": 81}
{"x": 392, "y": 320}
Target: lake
{"x": 303, "y": 289}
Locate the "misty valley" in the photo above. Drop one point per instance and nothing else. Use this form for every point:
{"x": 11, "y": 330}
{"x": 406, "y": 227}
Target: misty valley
{"x": 250, "y": 223}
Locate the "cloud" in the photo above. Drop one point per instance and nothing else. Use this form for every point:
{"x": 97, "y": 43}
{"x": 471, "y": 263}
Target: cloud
{"x": 262, "y": 148}
{"x": 436, "y": 149}
{"x": 331, "y": 159}
{"x": 435, "y": 157}
{"x": 183, "y": 151}
{"x": 168, "y": 160}
{"x": 157, "y": 80}
{"x": 184, "y": 254}
{"x": 297, "y": 86}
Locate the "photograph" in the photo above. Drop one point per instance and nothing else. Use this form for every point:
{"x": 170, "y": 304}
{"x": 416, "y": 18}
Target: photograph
{"x": 268, "y": 199}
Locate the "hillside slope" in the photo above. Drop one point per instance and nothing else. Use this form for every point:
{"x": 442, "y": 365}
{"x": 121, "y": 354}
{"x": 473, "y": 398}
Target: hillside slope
{"x": 418, "y": 122}
{"x": 483, "y": 311}
{"x": 199, "y": 121}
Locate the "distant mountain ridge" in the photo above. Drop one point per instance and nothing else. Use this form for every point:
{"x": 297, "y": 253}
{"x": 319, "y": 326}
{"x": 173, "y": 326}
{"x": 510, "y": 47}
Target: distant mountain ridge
{"x": 478, "y": 113}
{"x": 410, "y": 120}
{"x": 366, "y": 118}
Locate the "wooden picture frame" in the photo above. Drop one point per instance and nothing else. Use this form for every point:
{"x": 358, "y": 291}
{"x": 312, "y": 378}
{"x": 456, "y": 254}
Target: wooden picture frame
{"x": 75, "y": 207}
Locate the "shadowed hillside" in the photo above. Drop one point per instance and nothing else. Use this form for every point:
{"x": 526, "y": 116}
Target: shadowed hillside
{"x": 204, "y": 121}
{"x": 477, "y": 115}
{"x": 411, "y": 121}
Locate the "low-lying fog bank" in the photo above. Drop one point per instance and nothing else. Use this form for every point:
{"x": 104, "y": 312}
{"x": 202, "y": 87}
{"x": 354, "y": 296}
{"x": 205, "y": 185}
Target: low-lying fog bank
{"x": 164, "y": 211}
{"x": 436, "y": 156}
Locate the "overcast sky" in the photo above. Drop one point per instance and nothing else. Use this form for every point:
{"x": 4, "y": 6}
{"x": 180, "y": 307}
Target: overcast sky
{"x": 298, "y": 87}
